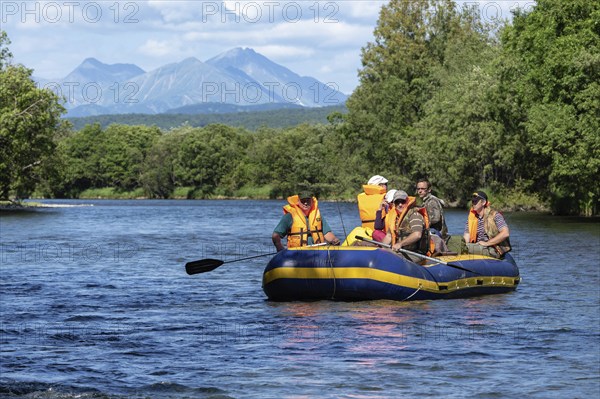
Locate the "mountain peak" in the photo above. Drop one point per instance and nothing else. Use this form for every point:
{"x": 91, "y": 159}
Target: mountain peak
{"x": 238, "y": 53}
{"x": 93, "y": 62}
{"x": 191, "y": 61}
{"x": 92, "y": 69}
{"x": 241, "y": 50}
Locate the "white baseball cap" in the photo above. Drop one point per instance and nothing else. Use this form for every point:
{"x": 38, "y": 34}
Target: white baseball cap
{"x": 389, "y": 196}
{"x": 375, "y": 180}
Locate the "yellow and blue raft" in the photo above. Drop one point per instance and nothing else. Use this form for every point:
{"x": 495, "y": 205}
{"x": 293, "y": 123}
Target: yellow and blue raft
{"x": 370, "y": 273}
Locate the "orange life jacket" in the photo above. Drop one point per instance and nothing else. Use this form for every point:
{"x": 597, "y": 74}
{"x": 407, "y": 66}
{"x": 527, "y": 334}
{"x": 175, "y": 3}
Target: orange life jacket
{"x": 368, "y": 204}
{"x": 393, "y": 221}
{"x": 390, "y": 222}
{"x": 426, "y": 244}
{"x": 489, "y": 226}
{"x": 303, "y": 226}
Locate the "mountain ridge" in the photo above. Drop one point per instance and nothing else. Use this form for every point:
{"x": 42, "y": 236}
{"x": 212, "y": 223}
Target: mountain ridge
{"x": 240, "y": 77}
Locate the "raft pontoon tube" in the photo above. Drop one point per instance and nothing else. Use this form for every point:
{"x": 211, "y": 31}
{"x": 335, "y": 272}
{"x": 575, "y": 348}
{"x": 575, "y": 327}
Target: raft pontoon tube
{"x": 368, "y": 273}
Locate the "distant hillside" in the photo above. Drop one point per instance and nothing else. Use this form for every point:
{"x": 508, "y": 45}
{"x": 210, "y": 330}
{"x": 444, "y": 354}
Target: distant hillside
{"x": 279, "y": 118}
{"x": 222, "y": 108}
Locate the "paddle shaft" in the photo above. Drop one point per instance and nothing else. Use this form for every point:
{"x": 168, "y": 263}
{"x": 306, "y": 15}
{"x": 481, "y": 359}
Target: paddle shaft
{"x": 341, "y": 218}
{"x": 406, "y": 251}
{"x": 206, "y": 265}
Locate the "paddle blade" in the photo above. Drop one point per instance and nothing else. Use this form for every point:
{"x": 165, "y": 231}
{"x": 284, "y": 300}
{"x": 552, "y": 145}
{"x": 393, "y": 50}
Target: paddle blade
{"x": 202, "y": 266}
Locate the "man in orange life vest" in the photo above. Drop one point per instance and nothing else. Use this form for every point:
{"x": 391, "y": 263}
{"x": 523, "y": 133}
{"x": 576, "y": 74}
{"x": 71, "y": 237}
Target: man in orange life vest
{"x": 302, "y": 224}
{"x": 486, "y": 231}
{"x": 406, "y": 227}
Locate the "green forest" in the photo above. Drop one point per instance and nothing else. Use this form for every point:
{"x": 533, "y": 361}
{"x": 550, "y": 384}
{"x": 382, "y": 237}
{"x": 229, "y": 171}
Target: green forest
{"x": 511, "y": 107}
{"x": 280, "y": 118}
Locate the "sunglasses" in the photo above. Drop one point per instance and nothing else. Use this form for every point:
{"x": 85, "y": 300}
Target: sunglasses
{"x": 306, "y": 201}
{"x": 399, "y": 202}
{"x": 475, "y": 200}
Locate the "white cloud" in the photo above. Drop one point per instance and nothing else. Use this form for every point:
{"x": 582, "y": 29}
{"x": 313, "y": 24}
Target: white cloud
{"x": 275, "y": 52}
{"x": 363, "y": 9}
{"x": 159, "y": 48}
{"x": 175, "y": 11}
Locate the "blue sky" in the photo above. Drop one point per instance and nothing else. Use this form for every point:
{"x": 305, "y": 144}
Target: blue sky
{"x": 317, "y": 38}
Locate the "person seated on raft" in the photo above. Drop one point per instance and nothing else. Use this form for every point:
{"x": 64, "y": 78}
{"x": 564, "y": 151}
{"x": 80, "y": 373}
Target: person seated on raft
{"x": 435, "y": 209}
{"x": 486, "y": 231}
{"x": 382, "y": 212}
{"x": 302, "y": 223}
{"x": 405, "y": 226}
{"x": 370, "y": 200}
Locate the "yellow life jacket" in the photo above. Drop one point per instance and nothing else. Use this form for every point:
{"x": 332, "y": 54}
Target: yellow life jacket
{"x": 368, "y": 204}
{"x": 301, "y": 227}
{"x": 489, "y": 226}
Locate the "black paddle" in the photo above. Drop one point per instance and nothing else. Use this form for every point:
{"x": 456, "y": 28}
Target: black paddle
{"x": 406, "y": 251}
{"x": 206, "y": 265}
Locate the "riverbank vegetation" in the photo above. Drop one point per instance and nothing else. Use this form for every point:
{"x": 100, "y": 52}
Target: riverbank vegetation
{"x": 280, "y": 118}
{"x": 512, "y": 109}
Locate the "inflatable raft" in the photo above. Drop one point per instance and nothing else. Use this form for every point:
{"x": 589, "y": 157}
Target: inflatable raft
{"x": 369, "y": 273}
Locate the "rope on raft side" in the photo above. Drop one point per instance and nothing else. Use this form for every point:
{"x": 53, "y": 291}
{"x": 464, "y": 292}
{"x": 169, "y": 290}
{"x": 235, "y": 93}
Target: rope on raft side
{"x": 414, "y": 293}
{"x": 332, "y": 271}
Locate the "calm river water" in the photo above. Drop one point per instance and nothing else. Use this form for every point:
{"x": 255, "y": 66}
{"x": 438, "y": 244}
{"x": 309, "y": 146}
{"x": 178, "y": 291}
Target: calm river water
{"x": 95, "y": 303}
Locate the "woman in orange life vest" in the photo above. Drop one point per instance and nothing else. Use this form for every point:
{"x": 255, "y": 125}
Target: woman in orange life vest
{"x": 370, "y": 200}
{"x": 407, "y": 226}
{"x": 302, "y": 224}
{"x": 486, "y": 231}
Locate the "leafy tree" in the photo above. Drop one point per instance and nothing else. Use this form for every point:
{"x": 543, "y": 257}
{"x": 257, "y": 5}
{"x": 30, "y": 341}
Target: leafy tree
{"x": 550, "y": 73}
{"x": 29, "y": 121}
{"x": 158, "y": 177}
{"x": 208, "y": 155}
{"x": 5, "y": 54}
{"x": 81, "y": 155}
{"x": 123, "y": 152}
{"x": 401, "y": 74}
{"x": 425, "y": 52}
{"x": 306, "y": 156}
{"x": 455, "y": 143}
{"x": 394, "y": 71}
{"x": 96, "y": 158}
